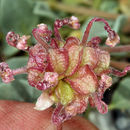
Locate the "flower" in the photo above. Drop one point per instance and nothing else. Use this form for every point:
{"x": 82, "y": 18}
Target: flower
{"x": 71, "y": 73}
{"x": 16, "y": 41}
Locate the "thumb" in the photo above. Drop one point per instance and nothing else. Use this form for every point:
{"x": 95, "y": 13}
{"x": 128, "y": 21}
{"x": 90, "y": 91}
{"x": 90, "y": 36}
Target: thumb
{"x": 21, "y": 116}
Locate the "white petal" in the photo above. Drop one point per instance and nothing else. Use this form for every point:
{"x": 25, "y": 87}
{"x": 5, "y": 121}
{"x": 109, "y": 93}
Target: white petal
{"x": 43, "y": 102}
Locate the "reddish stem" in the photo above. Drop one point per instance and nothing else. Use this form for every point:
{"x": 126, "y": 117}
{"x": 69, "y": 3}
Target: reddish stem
{"x": 119, "y": 73}
{"x": 73, "y": 22}
{"x": 37, "y": 34}
{"x": 58, "y": 24}
{"x": 125, "y": 48}
{"x": 119, "y": 65}
{"x": 20, "y": 71}
{"x": 106, "y": 27}
{"x": 86, "y": 33}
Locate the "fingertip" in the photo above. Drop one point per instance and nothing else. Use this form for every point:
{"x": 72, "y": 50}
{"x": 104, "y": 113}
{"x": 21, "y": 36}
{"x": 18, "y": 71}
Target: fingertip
{"x": 78, "y": 123}
{"x": 21, "y": 116}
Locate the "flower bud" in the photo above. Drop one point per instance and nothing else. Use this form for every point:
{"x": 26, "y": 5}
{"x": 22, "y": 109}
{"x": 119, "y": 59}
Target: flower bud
{"x": 22, "y": 43}
{"x": 16, "y": 41}
{"x": 41, "y": 33}
{"x": 6, "y": 73}
{"x": 74, "y": 22}
{"x": 113, "y": 40}
{"x": 42, "y": 26}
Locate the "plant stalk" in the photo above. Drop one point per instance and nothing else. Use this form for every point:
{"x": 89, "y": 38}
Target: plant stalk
{"x": 119, "y": 65}
{"x": 20, "y": 71}
{"x": 125, "y": 48}
{"x": 83, "y": 11}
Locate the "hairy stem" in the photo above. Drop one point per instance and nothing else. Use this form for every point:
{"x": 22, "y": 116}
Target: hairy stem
{"x": 119, "y": 65}
{"x": 37, "y": 34}
{"x": 111, "y": 33}
{"x": 125, "y": 48}
{"x": 58, "y": 24}
{"x": 73, "y": 22}
{"x": 86, "y": 33}
{"x": 119, "y": 73}
{"x": 20, "y": 71}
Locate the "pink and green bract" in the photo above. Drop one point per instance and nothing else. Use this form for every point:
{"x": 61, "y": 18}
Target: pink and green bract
{"x": 70, "y": 73}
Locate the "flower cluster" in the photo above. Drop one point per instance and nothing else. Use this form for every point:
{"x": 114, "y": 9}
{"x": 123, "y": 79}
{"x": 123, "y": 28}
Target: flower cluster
{"x": 71, "y": 73}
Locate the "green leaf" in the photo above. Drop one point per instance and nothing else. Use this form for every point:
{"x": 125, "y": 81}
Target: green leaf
{"x": 17, "y": 62}
{"x": 121, "y": 97}
{"x": 18, "y": 90}
{"x": 42, "y": 9}
{"x": 7, "y": 92}
{"x": 8, "y": 50}
{"x": 120, "y": 21}
{"x": 17, "y": 16}
{"x": 109, "y": 6}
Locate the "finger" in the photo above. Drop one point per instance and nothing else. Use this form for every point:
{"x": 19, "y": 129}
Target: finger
{"x": 21, "y": 116}
{"x": 78, "y": 123}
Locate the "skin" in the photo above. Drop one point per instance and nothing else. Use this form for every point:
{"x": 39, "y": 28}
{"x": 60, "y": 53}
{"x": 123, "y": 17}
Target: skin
{"x": 21, "y": 116}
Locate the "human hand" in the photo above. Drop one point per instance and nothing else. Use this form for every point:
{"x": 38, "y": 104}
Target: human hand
{"x": 21, "y": 116}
